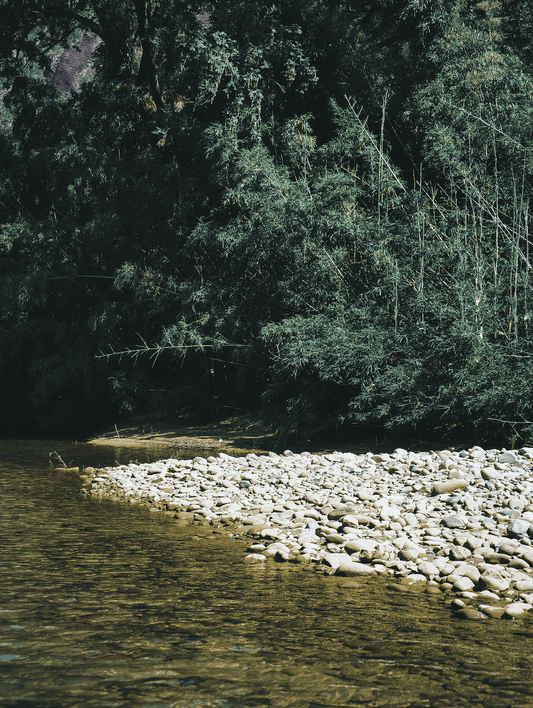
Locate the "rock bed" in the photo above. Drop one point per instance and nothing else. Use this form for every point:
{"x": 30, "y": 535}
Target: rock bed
{"x": 459, "y": 522}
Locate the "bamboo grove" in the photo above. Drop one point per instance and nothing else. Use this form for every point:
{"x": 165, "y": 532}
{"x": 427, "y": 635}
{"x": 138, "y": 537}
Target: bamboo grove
{"x": 319, "y": 210}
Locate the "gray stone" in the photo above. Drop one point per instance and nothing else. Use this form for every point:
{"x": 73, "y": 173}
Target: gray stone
{"x": 307, "y": 536}
{"x": 274, "y": 548}
{"x": 517, "y": 609}
{"x": 310, "y": 498}
{"x": 492, "y": 611}
{"x": 492, "y": 580}
{"x": 468, "y": 571}
{"x": 428, "y": 569}
{"x": 414, "y": 578}
{"x": 528, "y": 557}
{"x": 526, "y": 451}
{"x": 518, "y": 527}
{"x": 459, "y": 553}
{"x": 508, "y": 547}
{"x": 334, "y": 560}
{"x": 469, "y": 613}
{"x": 490, "y": 473}
{"x": 455, "y": 474}
{"x": 515, "y": 503}
{"x": 454, "y": 522}
{"x": 350, "y": 568}
{"x": 360, "y": 544}
{"x": 341, "y": 511}
{"x": 463, "y": 584}
{"x": 508, "y": 456}
{"x": 524, "y": 585}
{"x": 334, "y": 537}
{"x": 254, "y": 520}
{"x": 270, "y": 533}
{"x": 494, "y": 558}
{"x": 255, "y": 558}
{"x": 448, "y": 486}
{"x": 473, "y": 543}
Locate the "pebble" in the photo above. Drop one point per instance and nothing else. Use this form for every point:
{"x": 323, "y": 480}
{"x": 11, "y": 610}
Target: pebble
{"x": 457, "y": 522}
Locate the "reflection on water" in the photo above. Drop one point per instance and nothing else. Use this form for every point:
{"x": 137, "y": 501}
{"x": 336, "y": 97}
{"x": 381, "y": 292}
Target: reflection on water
{"x": 109, "y": 605}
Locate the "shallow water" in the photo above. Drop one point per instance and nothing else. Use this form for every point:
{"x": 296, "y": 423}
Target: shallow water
{"x": 103, "y": 604}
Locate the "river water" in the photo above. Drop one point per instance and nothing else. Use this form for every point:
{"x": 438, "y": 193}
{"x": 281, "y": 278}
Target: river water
{"x": 103, "y": 604}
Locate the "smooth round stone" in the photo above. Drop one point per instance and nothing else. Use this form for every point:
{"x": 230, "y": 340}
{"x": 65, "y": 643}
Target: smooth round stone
{"x": 334, "y": 538}
{"x": 254, "y": 558}
{"x": 349, "y": 568}
{"x": 508, "y": 456}
{"x": 310, "y": 498}
{"x": 495, "y": 558}
{"x": 428, "y": 569}
{"x": 518, "y": 527}
{"x": 346, "y": 510}
{"x": 360, "y": 544}
{"x": 468, "y": 571}
{"x": 448, "y": 486}
{"x": 432, "y": 590}
{"x": 433, "y": 531}
{"x": 459, "y": 553}
{"x": 334, "y": 560}
{"x": 473, "y": 543}
{"x": 517, "y": 609}
{"x": 270, "y": 533}
{"x": 274, "y": 548}
{"x": 528, "y": 557}
{"x": 463, "y": 584}
{"x": 469, "y": 613}
{"x": 508, "y": 547}
{"x": 350, "y": 520}
{"x": 400, "y": 452}
{"x": 307, "y": 536}
{"x": 524, "y": 585}
{"x": 490, "y": 473}
{"x": 455, "y": 474}
{"x": 454, "y": 521}
{"x": 380, "y": 553}
{"x": 414, "y": 578}
{"x": 492, "y": 611}
{"x": 255, "y": 520}
{"x": 492, "y": 580}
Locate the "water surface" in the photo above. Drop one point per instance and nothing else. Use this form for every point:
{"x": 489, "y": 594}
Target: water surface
{"x": 105, "y": 604}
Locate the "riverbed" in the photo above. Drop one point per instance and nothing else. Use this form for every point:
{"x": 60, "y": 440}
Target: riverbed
{"x": 106, "y": 604}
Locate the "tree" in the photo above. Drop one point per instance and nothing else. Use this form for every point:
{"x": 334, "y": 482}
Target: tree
{"x": 322, "y": 208}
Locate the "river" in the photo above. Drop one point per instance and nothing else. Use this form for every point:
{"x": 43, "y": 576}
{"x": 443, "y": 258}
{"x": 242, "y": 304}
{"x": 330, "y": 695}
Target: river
{"x": 103, "y": 604}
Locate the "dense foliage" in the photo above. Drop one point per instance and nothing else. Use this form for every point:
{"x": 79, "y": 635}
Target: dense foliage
{"x": 319, "y": 209}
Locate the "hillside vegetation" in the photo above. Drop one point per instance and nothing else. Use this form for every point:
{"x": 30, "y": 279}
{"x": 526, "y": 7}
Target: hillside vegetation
{"x": 317, "y": 208}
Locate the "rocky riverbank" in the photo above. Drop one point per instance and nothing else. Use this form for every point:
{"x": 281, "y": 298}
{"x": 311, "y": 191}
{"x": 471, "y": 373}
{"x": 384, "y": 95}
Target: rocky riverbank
{"x": 456, "y": 522}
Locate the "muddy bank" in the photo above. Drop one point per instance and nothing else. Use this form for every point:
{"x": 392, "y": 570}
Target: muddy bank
{"x": 240, "y": 434}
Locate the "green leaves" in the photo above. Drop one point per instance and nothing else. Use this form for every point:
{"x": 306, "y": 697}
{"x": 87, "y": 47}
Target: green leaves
{"x": 323, "y": 207}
